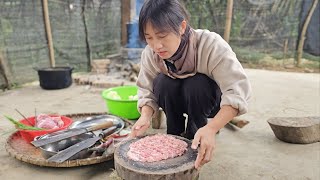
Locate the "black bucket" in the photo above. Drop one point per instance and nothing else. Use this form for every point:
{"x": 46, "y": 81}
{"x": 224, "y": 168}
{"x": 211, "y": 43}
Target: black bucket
{"x": 55, "y": 78}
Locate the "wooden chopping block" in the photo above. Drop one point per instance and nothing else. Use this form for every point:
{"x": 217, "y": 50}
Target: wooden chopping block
{"x": 178, "y": 168}
{"x": 300, "y": 130}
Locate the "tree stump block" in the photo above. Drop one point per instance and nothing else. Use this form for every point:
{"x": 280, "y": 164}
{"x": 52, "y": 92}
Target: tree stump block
{"x": 178, "y": 168}
{"x": 299, "y": 130}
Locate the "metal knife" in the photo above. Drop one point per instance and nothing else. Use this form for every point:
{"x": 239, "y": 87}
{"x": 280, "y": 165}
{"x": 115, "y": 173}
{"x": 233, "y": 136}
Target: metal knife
{"x": 70, "y": 133}
{"x": 74, "y": 149}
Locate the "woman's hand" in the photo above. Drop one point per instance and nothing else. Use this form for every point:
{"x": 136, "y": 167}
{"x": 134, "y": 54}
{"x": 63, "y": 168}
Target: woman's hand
{"x": 140, "y": 127}
{"x": 205, "y": 136}
{"x": 143, "y": 123}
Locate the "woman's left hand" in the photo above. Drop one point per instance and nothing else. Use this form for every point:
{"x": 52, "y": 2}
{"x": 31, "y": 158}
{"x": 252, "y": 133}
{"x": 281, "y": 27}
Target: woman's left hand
{"x": 205, "y": 136}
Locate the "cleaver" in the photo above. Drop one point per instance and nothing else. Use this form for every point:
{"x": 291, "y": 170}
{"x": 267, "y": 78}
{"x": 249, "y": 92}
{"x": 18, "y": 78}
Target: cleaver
{"x": 72, "y": 132}
{"x": 74, "y": 149}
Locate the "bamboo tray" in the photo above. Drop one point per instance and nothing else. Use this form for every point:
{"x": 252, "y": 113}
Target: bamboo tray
{"x": 26, "y": 152}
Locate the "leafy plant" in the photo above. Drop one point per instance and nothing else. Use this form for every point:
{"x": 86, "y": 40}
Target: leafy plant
{"x": 19, "y": 125}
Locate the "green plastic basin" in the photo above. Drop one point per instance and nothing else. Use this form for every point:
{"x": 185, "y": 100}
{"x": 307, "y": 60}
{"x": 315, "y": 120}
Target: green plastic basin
{"x": 124, "y": 107}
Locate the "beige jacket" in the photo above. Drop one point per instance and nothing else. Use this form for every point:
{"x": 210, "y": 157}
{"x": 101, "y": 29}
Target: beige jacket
{"x": 215, "y": 59}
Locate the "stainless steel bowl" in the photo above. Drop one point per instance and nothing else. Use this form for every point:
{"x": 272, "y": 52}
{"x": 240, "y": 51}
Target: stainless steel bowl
{"x": 96, "y": 120}
{"x": 51, "y": 149}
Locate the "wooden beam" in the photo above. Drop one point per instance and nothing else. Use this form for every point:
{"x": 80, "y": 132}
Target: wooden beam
{"x": 48, "y": 32}
{"x": 125, "y": 18}
{"x": 4, "y": 71}
{"x": 226, "y": 35}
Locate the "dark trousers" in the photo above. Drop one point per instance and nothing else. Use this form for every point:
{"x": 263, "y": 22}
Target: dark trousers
{"x": 198, "y": 96}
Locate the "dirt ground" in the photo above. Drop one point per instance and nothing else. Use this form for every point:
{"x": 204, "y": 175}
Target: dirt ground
{"x": 250, "y": 153}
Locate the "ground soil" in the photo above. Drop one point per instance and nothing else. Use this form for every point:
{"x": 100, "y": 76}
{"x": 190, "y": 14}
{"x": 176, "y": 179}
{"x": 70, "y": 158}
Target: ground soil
{"x": 249, "y": 153}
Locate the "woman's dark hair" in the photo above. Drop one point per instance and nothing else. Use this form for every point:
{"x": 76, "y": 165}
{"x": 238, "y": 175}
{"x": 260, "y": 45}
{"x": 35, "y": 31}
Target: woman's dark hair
{"x": 164, "y": 15}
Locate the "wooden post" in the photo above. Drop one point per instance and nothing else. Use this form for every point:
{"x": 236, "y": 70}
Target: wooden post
{"x": 125, "y": 18}
{"x": 88, "y": 47}
{"x": 285, "y": 49}
{"x": 303, "y": 32}
{"x": 226, "y": 35}
{"x": 48, "y": 32}
{"x": 4, "y": 71}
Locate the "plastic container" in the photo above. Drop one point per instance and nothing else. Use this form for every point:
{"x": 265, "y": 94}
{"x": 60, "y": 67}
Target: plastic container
{"x": 55, "y": 78}
{"x": 123, "y": 107}
{"x": 29, "y": 135}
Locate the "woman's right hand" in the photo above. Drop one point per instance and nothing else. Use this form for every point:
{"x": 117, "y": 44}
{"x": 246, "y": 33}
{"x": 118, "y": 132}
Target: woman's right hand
{"x": 140, "y": 127}
{"x": 143, "y": 123}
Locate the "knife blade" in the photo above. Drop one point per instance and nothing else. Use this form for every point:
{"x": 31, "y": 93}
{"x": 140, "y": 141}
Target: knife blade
{"x": 74, "y": 149}
{"x": 70, "y": 133}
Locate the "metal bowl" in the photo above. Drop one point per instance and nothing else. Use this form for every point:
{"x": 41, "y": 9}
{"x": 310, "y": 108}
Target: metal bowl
{"x": 96, "y": 120}
{"x": 51, "y": 149}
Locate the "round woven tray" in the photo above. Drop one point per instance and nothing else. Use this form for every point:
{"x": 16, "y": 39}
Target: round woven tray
{"x": 26, "y": 152}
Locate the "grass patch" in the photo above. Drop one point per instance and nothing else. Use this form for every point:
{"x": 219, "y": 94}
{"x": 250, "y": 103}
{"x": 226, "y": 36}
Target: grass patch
{"x": 248, "y": 56}
{"x": 310, "y": 57}
{"x": 251, "y": 58}
{"x": 279, "y": 56}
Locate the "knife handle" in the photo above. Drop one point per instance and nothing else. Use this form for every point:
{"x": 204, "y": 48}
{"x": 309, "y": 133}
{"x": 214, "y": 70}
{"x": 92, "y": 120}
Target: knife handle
{"x": 104, "y": 125}
{"x": 108, "y": 131}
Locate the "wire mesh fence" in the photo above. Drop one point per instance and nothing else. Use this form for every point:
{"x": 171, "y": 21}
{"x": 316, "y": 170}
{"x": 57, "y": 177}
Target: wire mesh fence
{"x": 23, "y": 41}
{"x": 262, "y": 25}
{"x": 260, "y": 29}
{"x": 91, "y": 29}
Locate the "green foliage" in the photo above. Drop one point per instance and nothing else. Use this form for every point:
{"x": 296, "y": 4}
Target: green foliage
{"x": 311, "y": 57}
{"x": 6, "y": 27}
{"x": 278, "y": 55}
{"x": 206, "y": 14}
{"x": 5, "y": 30}
{"x": 237, "y": 24}
{"x": 248, "y": 55}
{"x": 19, "y": 125}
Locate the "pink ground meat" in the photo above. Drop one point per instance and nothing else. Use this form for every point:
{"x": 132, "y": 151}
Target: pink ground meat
{"x": 156, "y": 148}
{"x": 48, "y": 122}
